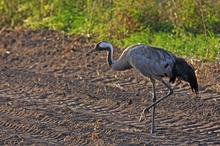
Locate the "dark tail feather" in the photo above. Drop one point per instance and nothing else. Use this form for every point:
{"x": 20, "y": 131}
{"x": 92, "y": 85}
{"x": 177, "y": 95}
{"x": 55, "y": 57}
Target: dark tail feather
{"x": 185, "y": 72}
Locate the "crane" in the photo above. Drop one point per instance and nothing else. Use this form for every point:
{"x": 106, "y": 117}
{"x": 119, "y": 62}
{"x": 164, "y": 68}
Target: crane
{"x": 154, "y": 63}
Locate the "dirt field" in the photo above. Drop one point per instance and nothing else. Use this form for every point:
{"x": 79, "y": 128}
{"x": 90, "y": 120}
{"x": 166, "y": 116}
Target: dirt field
{"x": 52, "y": 94}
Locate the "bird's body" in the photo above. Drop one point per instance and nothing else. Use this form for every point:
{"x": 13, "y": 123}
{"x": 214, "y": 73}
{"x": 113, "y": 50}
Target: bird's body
{"x": 151, "y": 62}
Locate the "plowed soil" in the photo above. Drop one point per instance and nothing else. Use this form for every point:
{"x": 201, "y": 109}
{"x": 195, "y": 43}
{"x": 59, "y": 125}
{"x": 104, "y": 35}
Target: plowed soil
{"x": 52, "y": 94}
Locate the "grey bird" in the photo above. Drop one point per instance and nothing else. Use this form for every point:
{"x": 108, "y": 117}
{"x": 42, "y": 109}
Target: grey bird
{"x": 154, "y": 63}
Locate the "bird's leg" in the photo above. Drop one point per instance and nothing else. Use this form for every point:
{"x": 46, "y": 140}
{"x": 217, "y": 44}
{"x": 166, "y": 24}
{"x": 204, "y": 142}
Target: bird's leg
{"x": 157, "y": 101}
{"x": 154, "y": 107}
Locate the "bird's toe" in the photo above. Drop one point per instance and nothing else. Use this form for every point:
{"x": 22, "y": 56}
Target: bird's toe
{"x": 141, "y": 118}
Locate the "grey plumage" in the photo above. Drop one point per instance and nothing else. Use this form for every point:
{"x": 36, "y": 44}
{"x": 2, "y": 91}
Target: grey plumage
{"x": 154, "y": 63}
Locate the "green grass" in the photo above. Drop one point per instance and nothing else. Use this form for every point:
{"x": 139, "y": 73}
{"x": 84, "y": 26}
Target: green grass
{"x": 199, "y": 46}
{"x": 187, "y": 28}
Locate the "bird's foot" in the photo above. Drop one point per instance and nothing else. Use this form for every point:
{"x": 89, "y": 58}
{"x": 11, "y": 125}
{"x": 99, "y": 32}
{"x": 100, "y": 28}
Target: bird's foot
{"x": 142, "y": 117}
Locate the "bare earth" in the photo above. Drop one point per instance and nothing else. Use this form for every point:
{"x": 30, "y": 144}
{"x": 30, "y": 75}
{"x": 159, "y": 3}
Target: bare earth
{"x": 52, "y": 94}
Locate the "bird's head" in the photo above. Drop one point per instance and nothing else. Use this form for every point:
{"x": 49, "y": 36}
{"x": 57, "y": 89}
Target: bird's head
{"x": 101, "y": 46}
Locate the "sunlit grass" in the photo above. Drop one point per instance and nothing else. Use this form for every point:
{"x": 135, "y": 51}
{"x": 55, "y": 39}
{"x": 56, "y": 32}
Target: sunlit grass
{"x": 199, "y": 46}
{"x": 184, "y": 27}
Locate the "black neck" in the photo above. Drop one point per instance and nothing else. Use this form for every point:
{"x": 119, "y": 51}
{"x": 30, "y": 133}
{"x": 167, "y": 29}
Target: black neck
{"x": 110, "y": 61}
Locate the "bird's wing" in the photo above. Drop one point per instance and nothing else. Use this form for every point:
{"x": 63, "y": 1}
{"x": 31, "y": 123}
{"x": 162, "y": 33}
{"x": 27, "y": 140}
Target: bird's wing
{"x": 152, "y": 62}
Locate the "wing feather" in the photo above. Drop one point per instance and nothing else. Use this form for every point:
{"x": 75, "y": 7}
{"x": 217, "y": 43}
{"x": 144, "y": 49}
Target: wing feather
{"x": 151, "y": 61}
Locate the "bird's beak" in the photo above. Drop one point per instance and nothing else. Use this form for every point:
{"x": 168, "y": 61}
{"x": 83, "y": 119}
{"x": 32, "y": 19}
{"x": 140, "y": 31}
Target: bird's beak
{"x": 92, "y": 50}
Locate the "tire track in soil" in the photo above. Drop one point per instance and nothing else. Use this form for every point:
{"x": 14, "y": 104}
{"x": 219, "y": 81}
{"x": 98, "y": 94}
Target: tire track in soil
{"x": 38, "y": 125}
{"x": 47, "y": 99}
{"x": 31, "y": 115}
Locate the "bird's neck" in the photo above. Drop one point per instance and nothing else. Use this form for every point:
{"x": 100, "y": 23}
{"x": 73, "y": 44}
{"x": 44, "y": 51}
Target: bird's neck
{"x": 120, "y": 64}
{"x": 110, "y": 57}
